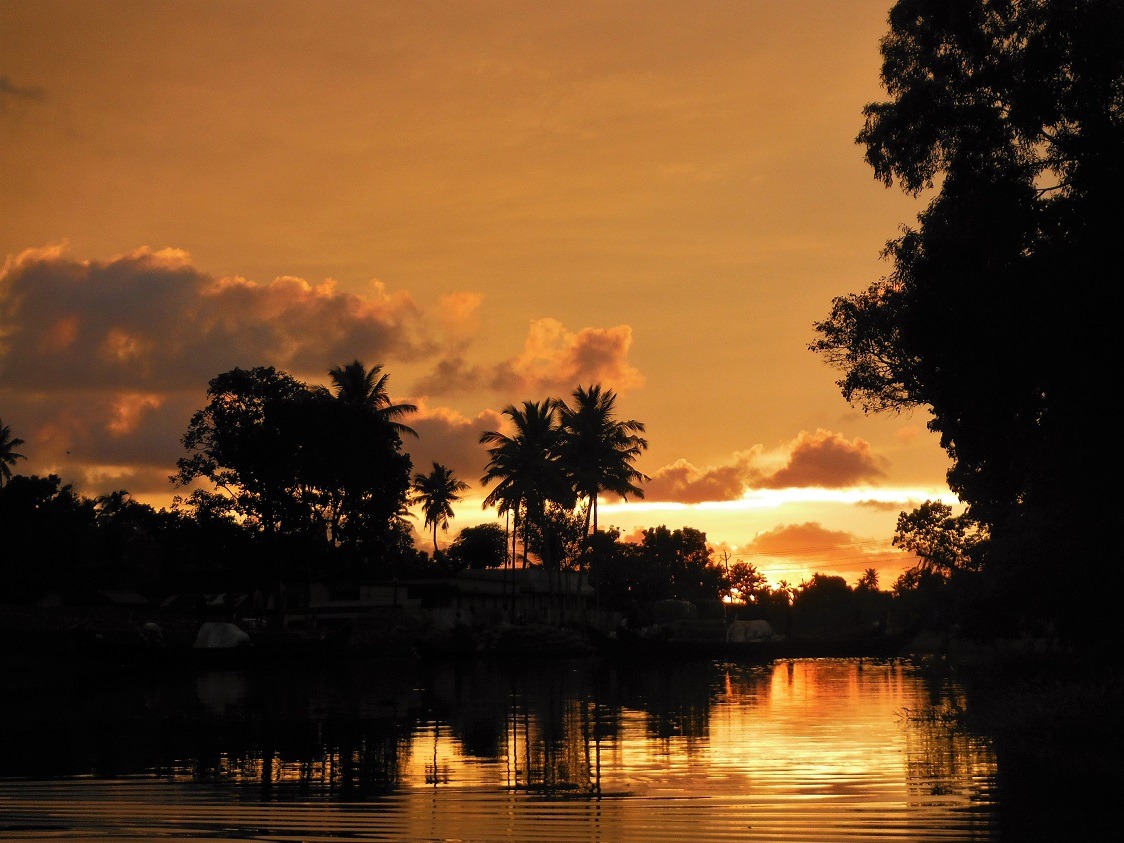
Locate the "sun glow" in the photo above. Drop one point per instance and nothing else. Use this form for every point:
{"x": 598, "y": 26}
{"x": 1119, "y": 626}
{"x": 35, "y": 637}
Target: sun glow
{"x": 771, "y": 498}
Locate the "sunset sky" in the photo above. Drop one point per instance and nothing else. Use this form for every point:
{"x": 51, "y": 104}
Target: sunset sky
{"x": 497, "y": 201}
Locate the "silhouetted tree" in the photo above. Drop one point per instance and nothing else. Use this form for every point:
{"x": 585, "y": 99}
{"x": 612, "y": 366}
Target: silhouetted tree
{"x": 365, "y": 390}
{"x": 597, "y": 449}
{"x": 436, "y": 492}
{"x": 1016, "y": 109}
{"x": 482, "y": 546}
{"x": 8, "y": 453}
{"x": 526, "y": 467}
{"x": 747, "y": 581}
{"x": 824, "y": 605}
{"x": 305, "y": 470}
{"x": 941, "y": 541}
{"x": 49, "y": 532}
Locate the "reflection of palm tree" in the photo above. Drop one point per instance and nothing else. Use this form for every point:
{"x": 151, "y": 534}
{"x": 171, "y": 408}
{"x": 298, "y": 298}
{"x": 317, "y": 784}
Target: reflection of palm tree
{"x": 365, "y": 389}
{"x": 8, "y": 455}
{"x": 436, "y": 493}
{"x": 598, "y": 450}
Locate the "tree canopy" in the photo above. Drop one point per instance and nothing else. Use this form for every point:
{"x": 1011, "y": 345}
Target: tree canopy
{"x": 287, "y": 460}
{"x": 995, "y": 314}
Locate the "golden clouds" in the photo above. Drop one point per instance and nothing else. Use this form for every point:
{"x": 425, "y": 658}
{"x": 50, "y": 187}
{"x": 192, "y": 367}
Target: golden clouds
{"x": 149, "y": 319}
{"x": 822, "y": 460}
{"x": 828, "y": 460}
{"x": 128, "y": 408}
{"x": 683, "y": 482}
{"x": 103, "y": 361}
{"x": 458, "y": 315}
{"x": 554, "y": 360}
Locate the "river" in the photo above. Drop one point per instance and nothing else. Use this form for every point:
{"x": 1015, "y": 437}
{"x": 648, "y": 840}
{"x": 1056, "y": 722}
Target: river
{"x": 582, "y": 750}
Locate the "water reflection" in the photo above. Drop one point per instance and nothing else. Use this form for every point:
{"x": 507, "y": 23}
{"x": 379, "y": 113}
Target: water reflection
{"x": 817, "y": 749}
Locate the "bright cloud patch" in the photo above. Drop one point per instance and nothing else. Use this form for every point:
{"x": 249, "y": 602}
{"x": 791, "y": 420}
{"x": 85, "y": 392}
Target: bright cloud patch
{"x": 553, "y": 361}
{"x": 807, "y": 540}
{"x": 827, "y": 460}
{"x": 822, "y": 460}
{"x": 796, "y": 551}
{"x": 683, "y": 482}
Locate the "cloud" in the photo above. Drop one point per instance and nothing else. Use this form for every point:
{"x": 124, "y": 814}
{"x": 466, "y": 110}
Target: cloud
{"x": 820, "y": 460}
{"x": 9, "y": 90}
{"x": 827, "y": 460}
{"x": 459, "y": 317}
{"x": 100, "y": 426}
{"x": 806, "y": 541}
{"x": 809, "y": 547}
{"x": 553, "y": 361}
{"x": 452, "y": 439}
{"x": 150, "y": 321}
{"x": 452, "y": 376}
{"x": 683, "y": 482}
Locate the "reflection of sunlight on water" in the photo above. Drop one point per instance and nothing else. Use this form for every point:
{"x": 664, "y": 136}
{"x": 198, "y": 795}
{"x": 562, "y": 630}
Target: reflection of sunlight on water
{"x": 817, "y": 750}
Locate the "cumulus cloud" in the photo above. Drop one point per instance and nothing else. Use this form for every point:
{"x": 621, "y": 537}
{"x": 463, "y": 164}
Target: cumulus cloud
{"x": 452, "y": 376}
{"x": 452, "y": 439}
{"x": 683, "y": 482}
{"x": 553, "y": 361}
{"x": 149, "y": 320}
{"x": 458, "y": 315}
{"x": 809, "y": 547}
{"x": 807, "y": 541}
{"x": 822, "y": 459}
{"x": 828, "y": 460}
{"x": 102, "y": 362}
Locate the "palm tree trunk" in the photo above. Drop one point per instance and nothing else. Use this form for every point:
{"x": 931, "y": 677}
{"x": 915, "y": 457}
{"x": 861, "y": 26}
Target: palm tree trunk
{"x": 586, "y": 550}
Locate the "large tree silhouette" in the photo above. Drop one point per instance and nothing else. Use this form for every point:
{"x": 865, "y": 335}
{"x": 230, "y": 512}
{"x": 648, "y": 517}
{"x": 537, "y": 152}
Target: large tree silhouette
{"x": 295, "y": 463}
{"x": 995, "y": 314}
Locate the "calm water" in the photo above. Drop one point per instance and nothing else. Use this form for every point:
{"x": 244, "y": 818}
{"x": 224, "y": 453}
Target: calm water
{"x": 816, "y": 750}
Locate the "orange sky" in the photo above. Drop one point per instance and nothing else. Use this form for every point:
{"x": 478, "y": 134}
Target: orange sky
{"x": 496, "y": 200}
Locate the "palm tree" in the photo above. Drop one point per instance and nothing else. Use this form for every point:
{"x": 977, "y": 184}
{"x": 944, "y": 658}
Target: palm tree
{"x": 526, "y": 465}
{"x": 598, "y": 450}
{"x": 365, "y": 389}
{"x": 436, "y": 493}
{"x": 8, "y": 455}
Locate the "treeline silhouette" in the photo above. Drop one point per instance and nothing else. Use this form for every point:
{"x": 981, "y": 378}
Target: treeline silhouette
{"x": 287, "y": 484}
